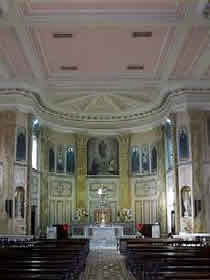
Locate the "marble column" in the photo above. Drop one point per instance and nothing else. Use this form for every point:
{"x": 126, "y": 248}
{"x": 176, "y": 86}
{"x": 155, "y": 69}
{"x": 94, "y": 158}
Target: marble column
{"x": 81, "y": 186}
{"x": 29, "y": 177}
{"x": 196, "y": 119}
{"x": 176, "y": 172}
{"x": 44, "y": 165}
{"x": 125, "y": 191}
{"x": 161, "y": 183}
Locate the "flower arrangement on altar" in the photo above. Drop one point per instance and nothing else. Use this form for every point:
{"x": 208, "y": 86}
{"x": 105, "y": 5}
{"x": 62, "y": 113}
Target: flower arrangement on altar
{"x": 79, "y": 213}
{"x": 125, "y": 215}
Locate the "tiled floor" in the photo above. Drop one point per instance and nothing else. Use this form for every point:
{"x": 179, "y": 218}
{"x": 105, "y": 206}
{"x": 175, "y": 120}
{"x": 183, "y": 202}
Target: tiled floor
{"x": 105, "y": 264}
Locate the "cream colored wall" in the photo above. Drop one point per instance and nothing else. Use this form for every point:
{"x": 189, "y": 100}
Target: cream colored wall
{"x": 13, "y": 173}
{"x": 150, "y": 207}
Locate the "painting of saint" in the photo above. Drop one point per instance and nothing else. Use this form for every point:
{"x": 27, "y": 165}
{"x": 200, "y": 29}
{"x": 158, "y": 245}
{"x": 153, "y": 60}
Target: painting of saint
{"x": 21, "y": 144}
{"x": 135, "y": 160}
{"x": 103, "y": 154}
{"x": 183, "y": 144}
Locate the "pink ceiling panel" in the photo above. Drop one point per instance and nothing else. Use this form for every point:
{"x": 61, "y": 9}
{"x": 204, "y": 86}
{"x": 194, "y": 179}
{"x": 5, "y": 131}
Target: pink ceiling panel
{"x": 13, "y": 53}
{"x": 195, "y": 42}
{"x": 112, "y": 4}
{"x": 102, "y": 50}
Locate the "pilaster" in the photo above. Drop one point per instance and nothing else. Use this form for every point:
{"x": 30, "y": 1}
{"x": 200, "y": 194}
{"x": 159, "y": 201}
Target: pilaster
{"x": 125, "y": 191}
{"x": 81, "y": 155}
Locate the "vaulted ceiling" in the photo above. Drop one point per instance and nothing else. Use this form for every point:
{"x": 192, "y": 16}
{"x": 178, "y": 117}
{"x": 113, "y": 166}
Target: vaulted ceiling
{"x": 104, "y": 65}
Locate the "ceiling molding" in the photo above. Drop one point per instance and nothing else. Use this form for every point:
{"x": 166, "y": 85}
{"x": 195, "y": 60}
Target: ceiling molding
{"x": 179, "y": 99}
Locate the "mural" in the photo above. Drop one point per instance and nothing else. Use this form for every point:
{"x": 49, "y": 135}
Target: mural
{"x": 103, "y": 156}
{"x": 21, "y": 144}
{"x": 183, "y": 144}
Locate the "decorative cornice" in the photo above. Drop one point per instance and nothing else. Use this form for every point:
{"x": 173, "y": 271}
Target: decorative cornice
{"x": 179, "y": 99}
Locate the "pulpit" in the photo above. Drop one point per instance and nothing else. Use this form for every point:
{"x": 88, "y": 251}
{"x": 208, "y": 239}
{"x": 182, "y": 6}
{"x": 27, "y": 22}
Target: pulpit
{"x": 103, "y": 215}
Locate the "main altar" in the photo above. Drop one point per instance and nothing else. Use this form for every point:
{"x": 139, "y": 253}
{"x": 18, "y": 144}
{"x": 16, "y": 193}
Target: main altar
{"x": 103, "y": 236}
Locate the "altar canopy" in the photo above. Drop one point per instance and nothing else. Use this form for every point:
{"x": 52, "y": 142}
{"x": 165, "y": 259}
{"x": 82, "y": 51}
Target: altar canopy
{"x": 103, "y": 215}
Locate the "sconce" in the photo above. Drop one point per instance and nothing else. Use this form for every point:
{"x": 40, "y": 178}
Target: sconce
{"x": 9, "y": 207}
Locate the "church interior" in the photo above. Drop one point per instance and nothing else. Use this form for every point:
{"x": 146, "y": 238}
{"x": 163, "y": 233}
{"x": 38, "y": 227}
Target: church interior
{"x": 105, "y": 122}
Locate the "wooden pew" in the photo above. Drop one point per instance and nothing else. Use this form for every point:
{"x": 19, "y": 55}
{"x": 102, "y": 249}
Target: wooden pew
{"x": 158, "y": 259}
{"x": 46, "y": 260}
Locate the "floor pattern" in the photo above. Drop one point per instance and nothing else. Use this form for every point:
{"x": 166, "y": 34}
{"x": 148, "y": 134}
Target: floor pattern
{"x": 106, "y": 264}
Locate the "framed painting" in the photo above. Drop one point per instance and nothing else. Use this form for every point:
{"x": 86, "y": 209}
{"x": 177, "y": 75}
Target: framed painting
{"x": 103, "y": 156}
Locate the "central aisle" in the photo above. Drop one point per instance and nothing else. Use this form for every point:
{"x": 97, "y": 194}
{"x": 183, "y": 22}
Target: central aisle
{"x": 106, "y": 264}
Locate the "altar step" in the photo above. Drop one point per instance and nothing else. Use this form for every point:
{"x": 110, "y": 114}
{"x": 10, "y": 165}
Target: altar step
{"x": 105, "y": 265}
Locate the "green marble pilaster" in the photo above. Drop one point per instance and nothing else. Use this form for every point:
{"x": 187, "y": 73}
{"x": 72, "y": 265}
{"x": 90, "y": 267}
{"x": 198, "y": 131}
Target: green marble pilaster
{"x": 196, "y": 119}
{"x": 81, "y": 182}
{"x": 161, "y": 183}
{"x": 125, "y": 191}
{"x": 176, "y": 172}
{"x": 44, "y": 140}
{"x": 29, "y": 177}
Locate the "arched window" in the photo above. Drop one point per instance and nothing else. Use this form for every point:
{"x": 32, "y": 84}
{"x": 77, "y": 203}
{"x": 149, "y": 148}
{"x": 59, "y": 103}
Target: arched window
{"x": 154, "y": 159}
{"x": 51, "y": 160}
{"x": 183, "y": 144}
{"x": 21, "y": 144}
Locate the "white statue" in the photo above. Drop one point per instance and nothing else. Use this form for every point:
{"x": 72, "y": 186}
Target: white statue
{"x": 187, "y": 204}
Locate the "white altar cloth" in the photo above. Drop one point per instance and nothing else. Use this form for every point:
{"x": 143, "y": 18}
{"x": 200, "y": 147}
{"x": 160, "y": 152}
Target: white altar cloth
{"x": 103, "y": 236}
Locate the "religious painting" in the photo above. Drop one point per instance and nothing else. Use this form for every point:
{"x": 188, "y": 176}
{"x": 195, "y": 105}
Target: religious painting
{"x": 153, "y": 159}
{"x": 70, "y": 164}
{"x": 103, "y": 156}
{"x": 145, "y": 159}
{"x": 183, "y": 144}
{"x": 51, "y": 160}
{"x": 60, "y": 159}
{"x": 21, "y": 144}
{"x": 135, "y": 160}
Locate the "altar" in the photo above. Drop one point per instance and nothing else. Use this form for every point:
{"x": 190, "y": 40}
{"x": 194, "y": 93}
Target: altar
{"x": 103, "y": 236}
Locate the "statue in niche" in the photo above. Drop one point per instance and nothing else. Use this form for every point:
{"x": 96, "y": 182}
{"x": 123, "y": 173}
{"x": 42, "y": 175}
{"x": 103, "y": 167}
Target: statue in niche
{"x": 154, "y": 159}
{"x": 186, "y": 202}
{"x": 183, "y": 144}
{"x": 51, "y": 160}
{"x": 19, "y": 202}
{"x": 21, "y": 144}
{"x": 135, "y": 167}
{"x": 70, "y": 160}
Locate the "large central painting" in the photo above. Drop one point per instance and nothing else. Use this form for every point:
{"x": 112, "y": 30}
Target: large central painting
{"x": 103, "y": 156}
